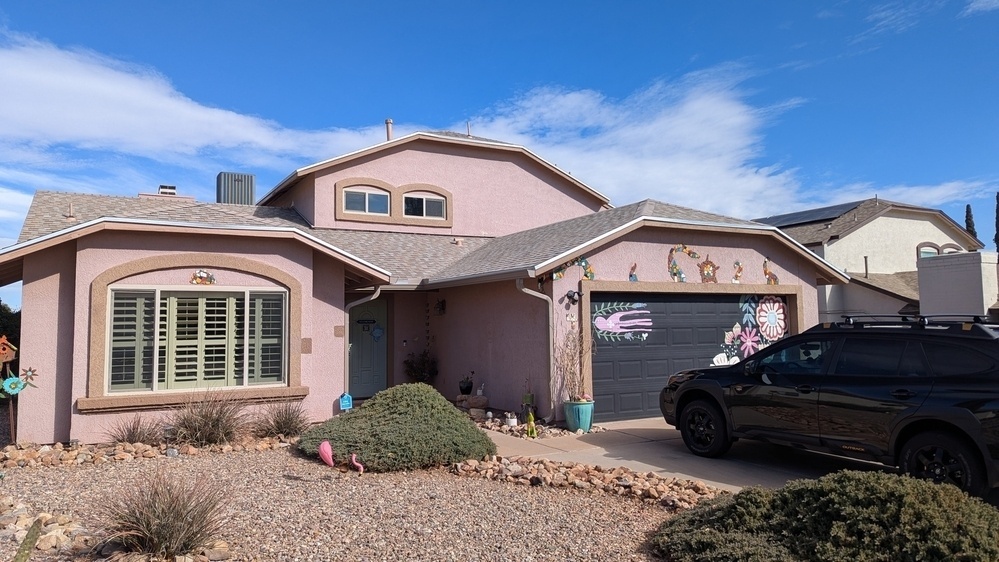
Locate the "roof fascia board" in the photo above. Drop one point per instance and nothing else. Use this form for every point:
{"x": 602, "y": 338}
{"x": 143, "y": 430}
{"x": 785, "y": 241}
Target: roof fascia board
{"x": 117, "y": 223}
{"x": 479, "y": 278}
{"x": 645, "y": 220}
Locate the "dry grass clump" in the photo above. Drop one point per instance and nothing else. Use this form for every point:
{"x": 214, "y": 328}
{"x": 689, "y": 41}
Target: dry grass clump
{"x": 136, "y": 430}
{"x": 215, "y": 419}
{"x": 165, "y": 517}
{"x": 284, "y": 418}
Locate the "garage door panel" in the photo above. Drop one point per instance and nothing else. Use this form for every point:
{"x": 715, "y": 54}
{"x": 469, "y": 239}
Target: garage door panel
{"x": 655, "y": 335}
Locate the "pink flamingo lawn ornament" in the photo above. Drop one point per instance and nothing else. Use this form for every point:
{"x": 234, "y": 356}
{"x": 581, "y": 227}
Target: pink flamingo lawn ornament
{"x": 326, "y": 454}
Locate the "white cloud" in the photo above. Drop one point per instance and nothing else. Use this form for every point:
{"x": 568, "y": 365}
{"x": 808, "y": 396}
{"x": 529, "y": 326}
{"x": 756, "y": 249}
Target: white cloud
{"x": 934, "y": 196}
{"x": 979, "y": 6}
{"x": 695, "y": 142}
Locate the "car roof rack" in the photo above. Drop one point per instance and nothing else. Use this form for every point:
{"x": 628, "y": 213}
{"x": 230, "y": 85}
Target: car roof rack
{"x": 970, "y": 325}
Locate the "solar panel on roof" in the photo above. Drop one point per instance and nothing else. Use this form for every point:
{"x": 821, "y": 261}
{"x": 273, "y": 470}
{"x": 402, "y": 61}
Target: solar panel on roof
{"x": 809, "y": 215}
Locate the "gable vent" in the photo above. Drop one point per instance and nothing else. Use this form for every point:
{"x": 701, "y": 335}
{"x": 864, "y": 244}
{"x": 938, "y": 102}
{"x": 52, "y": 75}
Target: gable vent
{"x": 234, "y": 188}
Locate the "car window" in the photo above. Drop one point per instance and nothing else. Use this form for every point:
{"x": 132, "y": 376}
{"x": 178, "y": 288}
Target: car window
{"x": 805, "y": 357}
{"x": 913, "y": 361}
{"x": 870, "y": 356}
{"x": 948, "y": 359}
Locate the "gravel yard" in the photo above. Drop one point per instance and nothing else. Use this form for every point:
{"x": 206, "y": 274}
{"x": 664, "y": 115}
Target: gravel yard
{"x": 286, "y": 507}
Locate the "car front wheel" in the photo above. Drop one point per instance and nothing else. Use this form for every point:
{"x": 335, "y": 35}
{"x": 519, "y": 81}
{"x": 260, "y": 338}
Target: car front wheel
{"x": 941, "y": 457}
{"x": 704, "y": 430}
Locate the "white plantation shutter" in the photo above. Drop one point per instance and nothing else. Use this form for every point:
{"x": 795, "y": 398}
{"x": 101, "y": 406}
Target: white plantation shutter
{"x": 200, "y": 340}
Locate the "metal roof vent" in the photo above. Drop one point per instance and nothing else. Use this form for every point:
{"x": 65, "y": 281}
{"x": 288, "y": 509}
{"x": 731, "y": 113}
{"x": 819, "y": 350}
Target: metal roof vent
{"x": 234, "y": 188}
{"x": 167, "y": 190}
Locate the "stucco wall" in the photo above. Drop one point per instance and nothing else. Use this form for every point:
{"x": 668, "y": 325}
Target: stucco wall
{"x": 495, "y": 193}
{"x": 889, "y": 242}
{"x": 859, "y": 300}
{"x": 501, "y": 334}
{"x": 47, "y": 341}
{"x": 958, "y": 283}
{"x": 58, "y": 309}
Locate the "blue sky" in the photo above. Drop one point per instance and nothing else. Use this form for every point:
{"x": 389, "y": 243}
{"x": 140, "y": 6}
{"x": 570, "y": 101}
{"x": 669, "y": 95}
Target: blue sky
{"x": 743, "y": 108}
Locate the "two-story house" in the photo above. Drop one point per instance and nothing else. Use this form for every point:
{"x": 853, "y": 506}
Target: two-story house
{"x": 880, "y": 244}
{"x": 479, "y": 250}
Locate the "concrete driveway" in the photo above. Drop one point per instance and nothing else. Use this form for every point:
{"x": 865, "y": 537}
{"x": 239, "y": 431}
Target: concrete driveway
{"x": 651, "y": 445}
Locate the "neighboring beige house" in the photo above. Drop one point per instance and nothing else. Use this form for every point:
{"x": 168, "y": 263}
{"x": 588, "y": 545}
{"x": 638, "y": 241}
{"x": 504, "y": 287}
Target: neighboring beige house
{"x": 479, "y": 250}
{"x": 883, "y": 246}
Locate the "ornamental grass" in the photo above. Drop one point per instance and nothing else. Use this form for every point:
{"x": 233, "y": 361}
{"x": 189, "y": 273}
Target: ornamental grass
{"x": 164, "y": 517}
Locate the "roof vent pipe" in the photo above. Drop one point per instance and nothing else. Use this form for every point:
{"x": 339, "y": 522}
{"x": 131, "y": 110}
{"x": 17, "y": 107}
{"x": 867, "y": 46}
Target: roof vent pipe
{"x": 865, "y": 267}
{"x": 388, "y": 129}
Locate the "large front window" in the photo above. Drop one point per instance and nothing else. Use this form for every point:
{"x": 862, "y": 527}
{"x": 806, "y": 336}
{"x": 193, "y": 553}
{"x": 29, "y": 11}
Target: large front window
{"x": 196, "y": 339}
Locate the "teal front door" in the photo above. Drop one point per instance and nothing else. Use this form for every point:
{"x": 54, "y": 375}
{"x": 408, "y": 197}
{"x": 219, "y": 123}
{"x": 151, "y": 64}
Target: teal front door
{"x": 368, "y": 349}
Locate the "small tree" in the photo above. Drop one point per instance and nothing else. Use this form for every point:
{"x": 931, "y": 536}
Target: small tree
{"x": 969, "y": 221}
{"x": 569, "y": 355}
{"x": 996, "y": 237}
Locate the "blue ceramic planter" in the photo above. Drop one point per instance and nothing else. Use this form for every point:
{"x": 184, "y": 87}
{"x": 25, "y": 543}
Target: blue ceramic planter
{"x": 579, "y": 415}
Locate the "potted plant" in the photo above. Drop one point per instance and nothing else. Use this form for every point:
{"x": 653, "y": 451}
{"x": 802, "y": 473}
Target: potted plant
{"x": 421, "y": 367}
{"x": 465, "y": 384}
{"x": 568, "y": 366}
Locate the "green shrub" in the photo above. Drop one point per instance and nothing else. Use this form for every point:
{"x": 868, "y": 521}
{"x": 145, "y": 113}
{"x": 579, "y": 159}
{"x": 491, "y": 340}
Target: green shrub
{"x": 164, "y": 517}
{"x": 857, "y": 516}
{"x": 284, "y": 418}
{"x": 406, "y": 427}
{"x": 136, "y": 430}
{"x": 214, "y": 420}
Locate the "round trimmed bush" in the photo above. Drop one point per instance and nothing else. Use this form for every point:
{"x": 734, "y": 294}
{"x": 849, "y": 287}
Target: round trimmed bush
{"x": 405, "y": 427}
{"x": 848, "y": 515}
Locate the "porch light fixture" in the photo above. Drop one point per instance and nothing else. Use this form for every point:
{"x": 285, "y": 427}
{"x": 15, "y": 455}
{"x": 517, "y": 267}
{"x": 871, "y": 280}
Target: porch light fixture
{"x": 573, "y": 296}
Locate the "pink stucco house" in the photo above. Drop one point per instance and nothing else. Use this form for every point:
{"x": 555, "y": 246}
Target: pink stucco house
{"x": 479, "y": 249}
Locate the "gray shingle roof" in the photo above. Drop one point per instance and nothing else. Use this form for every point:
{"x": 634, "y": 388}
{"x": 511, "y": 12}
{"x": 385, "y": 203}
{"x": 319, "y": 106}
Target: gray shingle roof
{"x": 409, "y": 257}
{"x": 52, "y": 211}
{"x": 529, "y": 248}
{"x": 818, "y": 226}
{"x": 904, "y": 285}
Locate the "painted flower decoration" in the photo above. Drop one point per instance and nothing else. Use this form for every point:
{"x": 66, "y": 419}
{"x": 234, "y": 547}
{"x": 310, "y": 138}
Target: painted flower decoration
{"x": 770, "y": 317}
{"x": 13, "y": 385}
{"x": 735, "y": 335}
{"x": 750, "y": 341}
{"x": 29, "y": 374}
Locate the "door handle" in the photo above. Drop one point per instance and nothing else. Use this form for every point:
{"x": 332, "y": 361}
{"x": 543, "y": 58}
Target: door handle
{"x": 805, "y": 388}
{"x": 902, "y": 394}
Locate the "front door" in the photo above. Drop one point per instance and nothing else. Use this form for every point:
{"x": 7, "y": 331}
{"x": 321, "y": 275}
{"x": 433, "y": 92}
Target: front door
{"x": 368, "y": 349}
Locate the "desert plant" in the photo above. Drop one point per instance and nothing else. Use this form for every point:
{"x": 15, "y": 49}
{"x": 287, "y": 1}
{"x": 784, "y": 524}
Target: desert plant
{"x": 136, "y": 430}
{"x": 405, "y": 427}
{"x": 283, "y": 418}
{"x": 165, "y": 517}
{"x": 848, "y": 515}
{"x": 568, "y": 365}
{"x": 421, "y": 367}
{"x": 213, "y": 419}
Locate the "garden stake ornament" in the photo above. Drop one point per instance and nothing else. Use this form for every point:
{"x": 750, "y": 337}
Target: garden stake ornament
{"x": 326, "y": 454}
{"x": 12, "y": 383}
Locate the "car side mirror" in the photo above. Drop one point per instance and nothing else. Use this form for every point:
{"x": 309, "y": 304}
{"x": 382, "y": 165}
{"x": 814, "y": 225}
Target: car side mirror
{"x": 751, "y": 368}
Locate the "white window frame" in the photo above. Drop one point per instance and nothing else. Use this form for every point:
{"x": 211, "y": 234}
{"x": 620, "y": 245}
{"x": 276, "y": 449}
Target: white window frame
{"x": 162, "y": 335}
{"x": 425, "y": 196}
{"x": 368, "y": 191}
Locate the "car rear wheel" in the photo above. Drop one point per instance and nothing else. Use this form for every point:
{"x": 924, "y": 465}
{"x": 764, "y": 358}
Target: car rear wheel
{"x": 704, "y": 430}
{"x": 941, "y": 457}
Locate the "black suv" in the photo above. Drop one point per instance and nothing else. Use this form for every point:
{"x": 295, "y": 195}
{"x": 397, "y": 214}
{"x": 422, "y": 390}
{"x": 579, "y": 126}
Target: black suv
{"x": 918, "y": 394}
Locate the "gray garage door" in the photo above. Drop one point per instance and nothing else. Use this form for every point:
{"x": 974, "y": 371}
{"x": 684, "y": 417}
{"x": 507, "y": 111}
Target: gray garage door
{"x": 639, "y": 339}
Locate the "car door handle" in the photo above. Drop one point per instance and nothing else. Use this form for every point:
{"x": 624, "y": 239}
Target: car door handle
{"x": 902, "y": 394}
{"x": 805, "y": 388}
